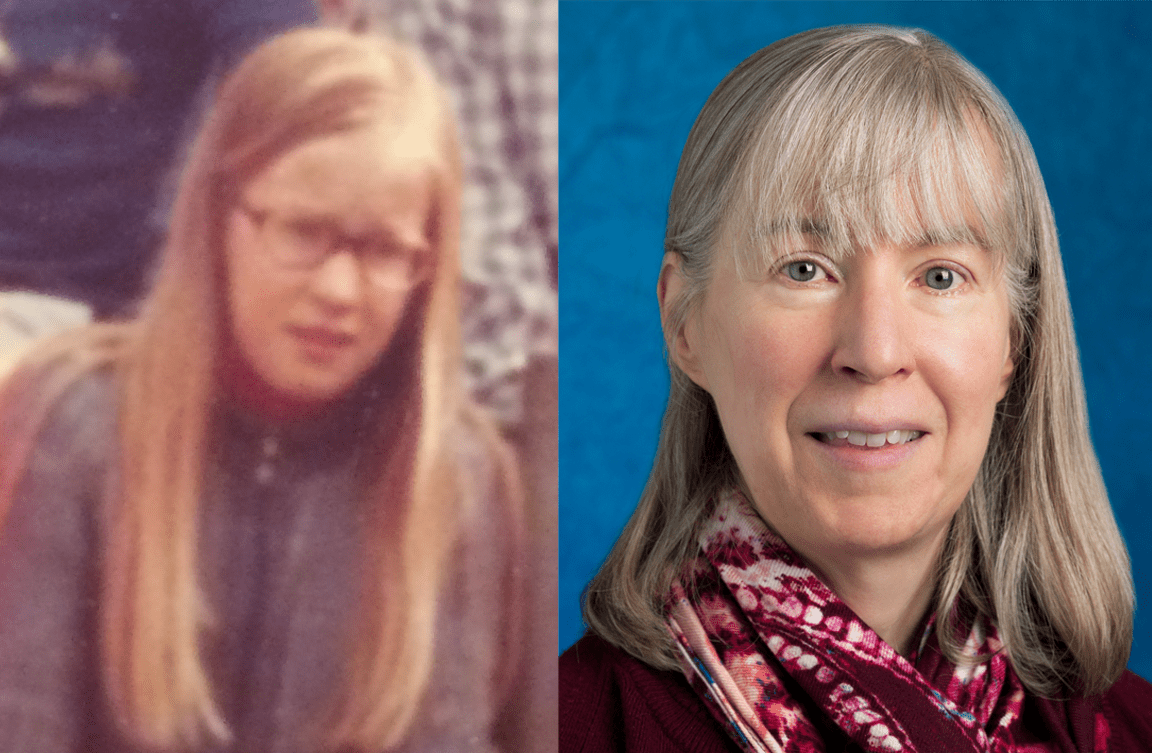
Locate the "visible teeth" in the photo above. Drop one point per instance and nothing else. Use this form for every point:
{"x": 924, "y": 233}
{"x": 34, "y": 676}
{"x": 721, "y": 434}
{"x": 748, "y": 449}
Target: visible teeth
{"x": 861, "y": 439}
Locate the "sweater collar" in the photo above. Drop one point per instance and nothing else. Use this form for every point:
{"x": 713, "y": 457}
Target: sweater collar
{"x": 343, "y": 422}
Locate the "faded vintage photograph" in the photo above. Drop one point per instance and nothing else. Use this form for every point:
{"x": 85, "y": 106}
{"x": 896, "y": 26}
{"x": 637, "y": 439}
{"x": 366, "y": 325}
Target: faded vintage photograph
{"x": 278, "y": 364}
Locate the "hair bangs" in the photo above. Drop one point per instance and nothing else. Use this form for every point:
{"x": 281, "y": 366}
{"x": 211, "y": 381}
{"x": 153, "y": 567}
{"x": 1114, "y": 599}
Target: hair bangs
{"x": 874, "y": 146}
{"x": 316, "y": 84}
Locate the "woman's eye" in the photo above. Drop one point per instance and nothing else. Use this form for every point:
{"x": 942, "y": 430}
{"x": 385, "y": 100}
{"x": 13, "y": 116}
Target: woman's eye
{"x": 802, "y": 271}
{"x": 940, "y": 278}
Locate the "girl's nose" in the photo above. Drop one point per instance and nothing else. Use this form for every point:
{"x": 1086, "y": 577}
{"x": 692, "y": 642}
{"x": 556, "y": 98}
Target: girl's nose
{"x": 339, "y": 280}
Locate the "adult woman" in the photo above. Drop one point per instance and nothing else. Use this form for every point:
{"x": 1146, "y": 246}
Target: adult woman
{"x": 875, "y": 521}
{"x": 299, "y": 516}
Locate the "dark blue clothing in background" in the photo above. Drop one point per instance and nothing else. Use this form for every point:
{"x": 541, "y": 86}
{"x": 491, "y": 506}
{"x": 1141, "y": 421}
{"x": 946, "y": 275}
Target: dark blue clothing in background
{"x": 92, "y": 112}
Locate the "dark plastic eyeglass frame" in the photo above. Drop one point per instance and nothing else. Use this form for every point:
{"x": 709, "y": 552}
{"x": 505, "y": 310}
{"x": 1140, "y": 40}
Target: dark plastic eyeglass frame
{"x": 336, "y": 240}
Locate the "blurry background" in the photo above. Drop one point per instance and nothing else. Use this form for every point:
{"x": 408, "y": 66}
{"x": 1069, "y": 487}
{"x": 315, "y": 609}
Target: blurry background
{"x": 633, "y": 76}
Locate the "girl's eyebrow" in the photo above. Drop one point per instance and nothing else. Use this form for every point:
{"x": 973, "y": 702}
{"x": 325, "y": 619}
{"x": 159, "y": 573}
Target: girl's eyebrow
{"x": 389, "y": 235}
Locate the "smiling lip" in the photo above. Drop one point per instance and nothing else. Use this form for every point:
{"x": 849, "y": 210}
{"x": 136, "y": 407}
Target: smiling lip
{"x": 868, "y": 439}
{"x": 874, "y": 448}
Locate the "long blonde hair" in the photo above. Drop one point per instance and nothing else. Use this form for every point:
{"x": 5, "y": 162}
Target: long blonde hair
{"x": 303, "y": 85}
{"x": 854, "y": 125}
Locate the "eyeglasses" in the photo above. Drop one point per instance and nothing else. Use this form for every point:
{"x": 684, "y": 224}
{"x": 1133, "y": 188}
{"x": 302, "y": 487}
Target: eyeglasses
{"x": 303, "y": 242}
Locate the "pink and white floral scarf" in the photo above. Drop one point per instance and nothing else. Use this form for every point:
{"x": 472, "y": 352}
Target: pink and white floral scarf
{"x": 763, "y": 641}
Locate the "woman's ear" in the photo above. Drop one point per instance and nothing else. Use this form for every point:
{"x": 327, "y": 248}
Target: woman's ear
{"x": 683, "y": 341}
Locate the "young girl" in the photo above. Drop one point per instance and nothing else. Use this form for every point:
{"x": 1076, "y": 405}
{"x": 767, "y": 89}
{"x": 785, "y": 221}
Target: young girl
{"x": 262, "y": 516}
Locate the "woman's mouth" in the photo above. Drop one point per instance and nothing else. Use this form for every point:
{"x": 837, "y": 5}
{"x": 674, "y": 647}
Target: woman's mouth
{"x": 866, "y": 439}
{"x": 869, "y": 451}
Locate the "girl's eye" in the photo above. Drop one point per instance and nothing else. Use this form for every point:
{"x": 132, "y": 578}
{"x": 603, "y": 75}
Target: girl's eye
{"x": 312, "y": 232}
{"x": 803, "y": 271}
{"x": 940, "y": 278}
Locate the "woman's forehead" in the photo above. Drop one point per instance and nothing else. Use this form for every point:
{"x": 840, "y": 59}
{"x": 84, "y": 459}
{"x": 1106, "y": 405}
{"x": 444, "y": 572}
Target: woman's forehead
{"x": 876, "y": 166}
{"x": 819, "y": 231}
{"x": 946, "y": 197}
{"x": 839, "y": 227}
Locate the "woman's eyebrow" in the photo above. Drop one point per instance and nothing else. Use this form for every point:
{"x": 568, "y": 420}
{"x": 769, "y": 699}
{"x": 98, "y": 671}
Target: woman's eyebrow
{"x": 821, "y": 230}
{"x": 796, "y": 226}
{"x": 952, "y": 235}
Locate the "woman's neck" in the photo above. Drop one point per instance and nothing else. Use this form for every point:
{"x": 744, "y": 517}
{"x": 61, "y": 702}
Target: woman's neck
{"x": 890, "y": 592}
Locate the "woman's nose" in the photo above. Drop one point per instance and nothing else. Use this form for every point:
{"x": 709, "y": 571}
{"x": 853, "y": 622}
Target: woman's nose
{"x": 873, "y": 332}
{"x": 339, "y": 280}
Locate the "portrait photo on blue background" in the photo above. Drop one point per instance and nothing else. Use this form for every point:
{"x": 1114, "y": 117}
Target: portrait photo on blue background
{"x": 633, "y": 78}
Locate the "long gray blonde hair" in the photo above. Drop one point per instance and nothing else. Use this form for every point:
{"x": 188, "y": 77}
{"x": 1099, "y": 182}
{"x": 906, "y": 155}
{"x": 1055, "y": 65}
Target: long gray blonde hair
{"x": 854, "y": 125}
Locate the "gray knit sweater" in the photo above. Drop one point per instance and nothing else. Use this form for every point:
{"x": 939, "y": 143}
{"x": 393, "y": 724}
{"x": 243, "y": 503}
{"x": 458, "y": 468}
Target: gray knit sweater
{"x": 279, "y": 562}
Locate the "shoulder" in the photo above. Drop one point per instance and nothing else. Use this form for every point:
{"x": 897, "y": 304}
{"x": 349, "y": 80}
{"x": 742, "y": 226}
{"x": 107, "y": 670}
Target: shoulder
{"x": 490, "y": 537}
{"x": 81, "y": 424}
{"x": 1128, "y": 709}
{"x": 611, "y": 701}
{"x": 85, "y": 409}
{"x": 58, "y": 416}
{"x": 54, "y": 461}
{"x": 480, "y": 662}
{"x": 488, "y": 548}
{"x": 61, "y": 431}
{"x": 488, "y": 479}
{"x": 62, "y": 399}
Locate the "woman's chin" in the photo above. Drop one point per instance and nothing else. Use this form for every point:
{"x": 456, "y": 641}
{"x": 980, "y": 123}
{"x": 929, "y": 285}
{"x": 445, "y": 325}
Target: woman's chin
{"x": 864, "y": 529}
{"x": 883, "y": 536}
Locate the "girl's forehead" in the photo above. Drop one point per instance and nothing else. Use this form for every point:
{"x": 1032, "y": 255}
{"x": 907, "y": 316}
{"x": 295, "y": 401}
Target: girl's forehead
{"x": 346, "y": 173}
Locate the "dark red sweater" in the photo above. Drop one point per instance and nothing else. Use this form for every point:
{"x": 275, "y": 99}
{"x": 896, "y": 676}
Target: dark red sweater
{"x": 610, "y": 701}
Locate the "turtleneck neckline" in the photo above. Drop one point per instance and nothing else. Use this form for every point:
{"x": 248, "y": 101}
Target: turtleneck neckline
{"x": 341, "y": 419}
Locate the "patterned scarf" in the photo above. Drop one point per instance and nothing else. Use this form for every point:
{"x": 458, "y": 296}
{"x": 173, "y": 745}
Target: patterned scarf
{"x": 769, "y": 646}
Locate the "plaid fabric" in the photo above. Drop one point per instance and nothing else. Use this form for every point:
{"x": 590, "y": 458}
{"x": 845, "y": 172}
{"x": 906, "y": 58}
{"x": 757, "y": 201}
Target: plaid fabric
{"x": 499, "y": 60}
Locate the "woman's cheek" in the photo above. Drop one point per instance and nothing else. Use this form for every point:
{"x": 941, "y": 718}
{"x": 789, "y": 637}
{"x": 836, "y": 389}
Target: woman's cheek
{"x": 972, "y": 360}
{"x": 770, "y": 363}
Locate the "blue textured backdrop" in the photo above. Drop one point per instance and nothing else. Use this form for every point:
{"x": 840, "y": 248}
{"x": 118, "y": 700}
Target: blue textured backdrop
{"x": 633, "y": 77}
